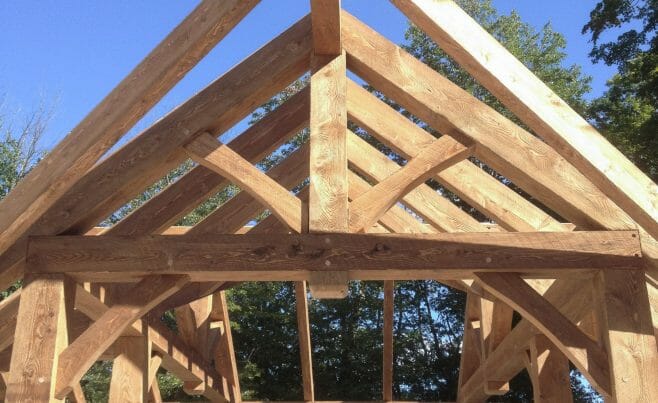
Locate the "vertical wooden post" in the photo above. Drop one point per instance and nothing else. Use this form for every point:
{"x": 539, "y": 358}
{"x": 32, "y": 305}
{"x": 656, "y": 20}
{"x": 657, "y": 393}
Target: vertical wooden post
{"x": 328, "y": 203}
{"x": 628, "y": 335}
{"x": 549, "y": 372}
{"x": 224, "y": 353}
{"x": 130, "y": 370}
{"x": 305, "y": 349}
{"x": 129, "y": 382}
{"x": 496, "y": 324}
{"x": 41, "y": 334}
{"x": 387, "y": 382}
{"x": 471, "y": 357}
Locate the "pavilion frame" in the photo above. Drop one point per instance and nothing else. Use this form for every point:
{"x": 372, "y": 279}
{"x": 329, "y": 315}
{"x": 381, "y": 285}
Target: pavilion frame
{"x": 586, "y": 290}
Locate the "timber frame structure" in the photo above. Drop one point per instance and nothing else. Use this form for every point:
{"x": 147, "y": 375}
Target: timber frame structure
{"x": 586, "y": 289}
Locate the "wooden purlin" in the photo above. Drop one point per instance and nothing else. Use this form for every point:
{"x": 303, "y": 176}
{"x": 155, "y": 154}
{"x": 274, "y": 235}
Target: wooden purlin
{"x": 534, "y": 103}
{"x": 148, "y": 157}
{"x": 167, "y": 64}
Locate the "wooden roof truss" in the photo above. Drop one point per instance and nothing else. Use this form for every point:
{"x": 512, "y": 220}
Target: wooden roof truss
{"x": 586, "y": 289}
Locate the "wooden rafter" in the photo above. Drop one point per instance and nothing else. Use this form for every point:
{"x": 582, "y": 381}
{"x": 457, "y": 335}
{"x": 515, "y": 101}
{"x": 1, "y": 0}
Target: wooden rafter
{"x": 473, "y": 185}
{"x": 255, "y": 143}
{"x": 148, "y": 157}
{"x": 121, "y": 109}
{"x": 512, "y": 151}
{"x": 431, "y": 206}
{"x": 537, "y": 106}
{"x": 546, "y": 276}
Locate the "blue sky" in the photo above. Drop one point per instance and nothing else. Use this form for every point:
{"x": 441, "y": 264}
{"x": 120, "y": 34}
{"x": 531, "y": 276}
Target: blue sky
{"x": 73, "y": 52}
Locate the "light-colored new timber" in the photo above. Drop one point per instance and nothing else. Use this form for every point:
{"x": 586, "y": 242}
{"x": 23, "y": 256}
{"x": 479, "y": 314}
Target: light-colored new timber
{"x": 366, "y": 209}
{"x": 549, "y": 372}
{"x": 210, "y": 152}
{"x": 582, "y": 351}
{"x": 431, "y": 206}
{"x": 167, "y": 64}
{"x": 305, "y": 349}
{"x": 41, "y": 334}
{"x": 538, "y": 106}
{"x": 387, "y": 364}
{"x": 628, "y": 335}
{"x": 149, "y": 156}
{"x": 469, "y": 182}
{"x": 296, "y": 256}
{"x": 525, "y": 160}
{"x": 328, "y": 209}
{"x": 76, "y": 359}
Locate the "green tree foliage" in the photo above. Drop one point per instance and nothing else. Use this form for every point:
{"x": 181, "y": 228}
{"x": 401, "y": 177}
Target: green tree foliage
{"x": 628, "y": 111}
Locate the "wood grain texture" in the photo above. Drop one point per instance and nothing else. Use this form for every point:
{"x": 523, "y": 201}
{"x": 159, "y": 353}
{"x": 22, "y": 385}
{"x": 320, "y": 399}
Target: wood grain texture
{"x": 41, "y": 334}
{"x": 304, "y": 334}
{"x": 549, "y": 372}
{"x": 8, "y": 314}
{"x": 242, "y": 208}
{"x": 471, "y": 354}
{"x": 293, "y": 256}
{"x": 177, "y": 356}
{"x": 583, "y": 352}
{"x": 388, "y": 357}
{"x": 129, "y": 382}
{"x": 396, "y": 219}
{"x": 496, "y": 324}
{"x": 167, "y": 64}
{"x": 505, "y": 361}
{"x": 149, "y": 156}
{"x": 538, "y": 106}
{"x": 366, "y": 209}
{"x": 254, "y": 144}
{"x": 628, "y": 335}
{"x": 76, "y": 359}
{"x": 326, "y": 27}
{"x": 524, "y": 159}
{"x": 328, "y": 207}
{"x": 465, "y": 179}
{"x": 224, "y": 353}
{"x": 427, "y": 203}
{"x": 210, "y": 152}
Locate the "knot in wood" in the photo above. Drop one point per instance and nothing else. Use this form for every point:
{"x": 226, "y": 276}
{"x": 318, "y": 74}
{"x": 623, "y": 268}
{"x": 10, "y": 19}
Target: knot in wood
{"x": 264, "y": 252}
